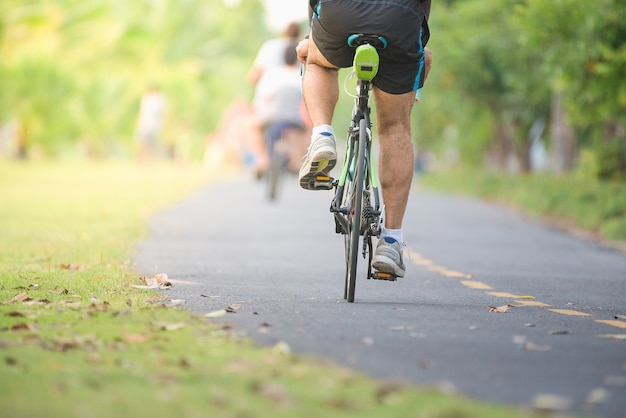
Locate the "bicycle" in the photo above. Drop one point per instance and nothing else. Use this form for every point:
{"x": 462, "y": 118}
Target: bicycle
{"x": 356, "y": 204}
{"x": 278, "y": 147}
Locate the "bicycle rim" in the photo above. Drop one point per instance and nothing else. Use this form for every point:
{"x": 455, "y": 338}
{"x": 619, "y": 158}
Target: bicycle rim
{"x": 356, "y": 210}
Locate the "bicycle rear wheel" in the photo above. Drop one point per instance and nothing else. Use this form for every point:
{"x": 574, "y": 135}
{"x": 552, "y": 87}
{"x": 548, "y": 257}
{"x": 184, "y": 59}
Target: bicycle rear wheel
{"x": 354, "y": 195}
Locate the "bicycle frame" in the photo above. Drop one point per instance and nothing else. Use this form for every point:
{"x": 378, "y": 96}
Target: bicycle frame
{"x": 360, "y": 112}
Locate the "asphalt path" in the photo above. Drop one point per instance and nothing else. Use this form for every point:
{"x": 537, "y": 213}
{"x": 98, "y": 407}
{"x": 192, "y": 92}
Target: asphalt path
{"x": 559, "y": 344}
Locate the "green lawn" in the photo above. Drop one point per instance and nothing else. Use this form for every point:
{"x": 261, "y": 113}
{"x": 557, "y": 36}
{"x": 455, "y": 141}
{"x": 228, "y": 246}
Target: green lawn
{"x": 77, "y": 340}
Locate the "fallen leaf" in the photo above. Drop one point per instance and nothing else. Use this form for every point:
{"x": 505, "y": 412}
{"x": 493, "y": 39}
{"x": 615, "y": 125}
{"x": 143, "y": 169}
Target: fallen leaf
{"x": 23, "y": 326}
{"x": 59, "y": 291}
{"x": 234, "y": 307}
{"x": 159, "y": 281}
{"x": 20, "y": 297}
{"x": 72, "y": 266}
{"x": 500, "y": 309}
{"x": 33, "y": 287}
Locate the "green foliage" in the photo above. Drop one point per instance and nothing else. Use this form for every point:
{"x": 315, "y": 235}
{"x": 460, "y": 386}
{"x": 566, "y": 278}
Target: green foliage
{"x": 501, "y": 61}
{"x": 73, "y": 71}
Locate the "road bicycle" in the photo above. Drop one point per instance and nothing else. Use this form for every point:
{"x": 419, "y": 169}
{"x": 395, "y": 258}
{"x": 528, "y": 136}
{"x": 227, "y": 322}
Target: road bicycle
{"x": 278, "y": 147}
{"x": 356, "y": 204}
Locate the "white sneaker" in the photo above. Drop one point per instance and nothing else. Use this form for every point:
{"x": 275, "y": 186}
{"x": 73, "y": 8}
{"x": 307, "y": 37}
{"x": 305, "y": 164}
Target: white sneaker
{"x": 388, "y": 257}
{"x": 319, "y": 160}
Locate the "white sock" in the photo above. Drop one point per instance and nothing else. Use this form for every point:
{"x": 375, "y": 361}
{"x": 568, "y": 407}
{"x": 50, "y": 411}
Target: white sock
{"x": 392, "y": 233}
{"x": 322, "y": 129}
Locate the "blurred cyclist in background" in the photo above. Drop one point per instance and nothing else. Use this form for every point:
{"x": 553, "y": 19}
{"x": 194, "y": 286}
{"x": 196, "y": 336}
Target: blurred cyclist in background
{"x": 279, "y": 105}
{"x": 270, "y": 55}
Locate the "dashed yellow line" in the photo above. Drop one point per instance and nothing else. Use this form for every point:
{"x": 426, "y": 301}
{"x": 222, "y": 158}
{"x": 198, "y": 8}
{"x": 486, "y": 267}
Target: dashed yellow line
{"x": 475, "y": 284}
{"x": 531, "y": 303}
{"x": 569, "y": 312}
{"x": 503, "y": 295}
{"x": 520, "y": 300}
{"x": 614, "y": 323}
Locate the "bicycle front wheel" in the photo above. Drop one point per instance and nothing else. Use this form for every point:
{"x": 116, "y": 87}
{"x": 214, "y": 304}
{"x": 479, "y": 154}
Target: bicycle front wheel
{"x": 355, "y": 193}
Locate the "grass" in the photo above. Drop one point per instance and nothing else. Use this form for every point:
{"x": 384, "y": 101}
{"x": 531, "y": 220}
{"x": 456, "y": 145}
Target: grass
{"x": 77, "y": 340}
{"x": 574, "y": 202}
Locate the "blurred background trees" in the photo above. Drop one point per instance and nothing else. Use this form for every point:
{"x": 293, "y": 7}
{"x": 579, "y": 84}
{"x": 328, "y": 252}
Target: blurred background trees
{"x": 510, "y": 73}
{"x": 516, "y": 86}
{"x": 73, "y": 71}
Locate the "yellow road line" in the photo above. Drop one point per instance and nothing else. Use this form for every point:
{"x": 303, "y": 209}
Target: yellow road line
{"x": 613, "y": 323}
{"x": 569, "y": 312}
{"x": 474, "y": 284}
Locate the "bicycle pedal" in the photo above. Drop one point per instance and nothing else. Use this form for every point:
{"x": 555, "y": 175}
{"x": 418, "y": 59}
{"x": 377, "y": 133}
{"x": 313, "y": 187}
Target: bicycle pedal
{"x": 379, "y": 275}
{"x": 323, "y": 183}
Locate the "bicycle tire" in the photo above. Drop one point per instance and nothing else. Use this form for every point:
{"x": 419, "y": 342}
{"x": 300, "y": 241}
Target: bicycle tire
{"x": 273, "y": 177}
{"x": 356, "y": 212}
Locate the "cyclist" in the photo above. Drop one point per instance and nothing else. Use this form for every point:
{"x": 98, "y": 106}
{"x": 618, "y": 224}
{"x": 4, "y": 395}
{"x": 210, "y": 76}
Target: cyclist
{"x": 278, "y": 105}
{"x": 403, "y": 68}
{"x": 269, "y": 56}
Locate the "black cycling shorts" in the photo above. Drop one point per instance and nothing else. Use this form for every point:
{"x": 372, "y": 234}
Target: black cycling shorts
{"x": 402, "y": 22}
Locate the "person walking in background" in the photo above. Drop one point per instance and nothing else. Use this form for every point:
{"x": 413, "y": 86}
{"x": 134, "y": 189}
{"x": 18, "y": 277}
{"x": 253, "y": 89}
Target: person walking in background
{"x": 403, "y": 68}
{"x": 270, "y": 55}
{"x": 152, "y": 110}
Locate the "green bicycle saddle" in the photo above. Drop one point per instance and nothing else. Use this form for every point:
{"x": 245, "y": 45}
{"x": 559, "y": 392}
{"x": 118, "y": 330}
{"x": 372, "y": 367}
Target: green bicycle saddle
{"x": 366, "y": 62}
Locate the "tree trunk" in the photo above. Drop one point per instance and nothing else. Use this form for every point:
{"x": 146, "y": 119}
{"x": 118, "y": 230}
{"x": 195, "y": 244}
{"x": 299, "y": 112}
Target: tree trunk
{"x": 563, "y": 150}
{"x": 501, "y": 155}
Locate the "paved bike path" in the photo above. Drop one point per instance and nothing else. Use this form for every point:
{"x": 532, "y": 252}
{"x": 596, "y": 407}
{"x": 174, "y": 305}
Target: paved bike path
{"x": 283, "y": 261}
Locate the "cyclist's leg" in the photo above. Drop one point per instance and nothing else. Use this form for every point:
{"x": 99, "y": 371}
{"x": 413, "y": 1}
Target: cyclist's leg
{"x": 320, "y": 87}
{"x": 393, "y": 115}
{"x": 396, "y": 173}
{"x": 321, "y": 92}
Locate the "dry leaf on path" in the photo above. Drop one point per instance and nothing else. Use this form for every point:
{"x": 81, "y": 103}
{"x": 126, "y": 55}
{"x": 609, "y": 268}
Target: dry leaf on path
{"x": 234, "y": 307}
{"x": 500, "y": 309}
{"x": 159, "y": 281}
